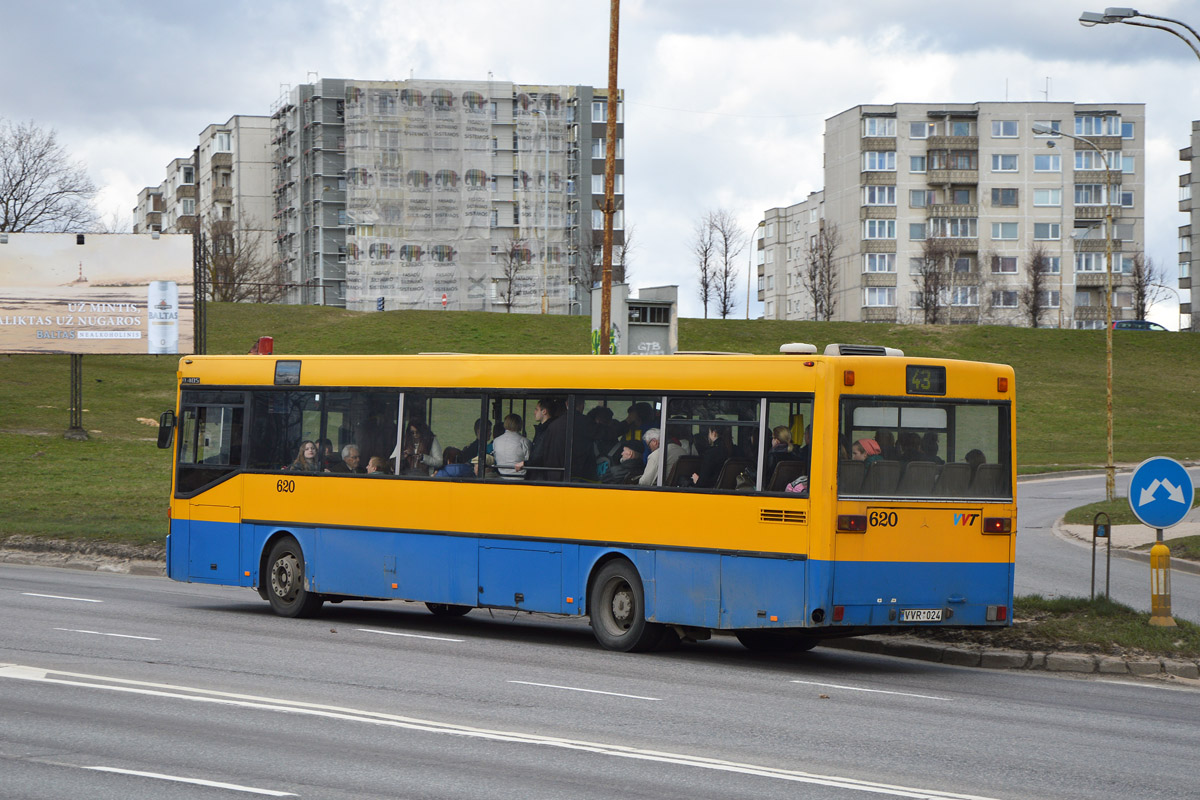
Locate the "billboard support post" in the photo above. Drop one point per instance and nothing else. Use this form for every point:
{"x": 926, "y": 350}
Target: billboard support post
{"x": 75, "y": 430}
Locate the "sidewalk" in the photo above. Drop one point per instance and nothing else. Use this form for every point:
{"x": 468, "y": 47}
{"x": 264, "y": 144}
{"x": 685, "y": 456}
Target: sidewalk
{"x": 1126, "y": 538}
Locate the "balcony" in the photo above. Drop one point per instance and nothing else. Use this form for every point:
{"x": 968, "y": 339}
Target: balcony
{"x": 223, "y": 194}
{"x": 1095, "y": 245}
{"x": 954, "y": 210}
{"x": 1096, "y": 279}
{"x": 879, "y": 279}
{"x": 222, "y": 159}
{"x": 1098, "y": 175}
{"x": 1103, "y": 142}
{"x": 1090, "y": 212}
{"x": 1092, "y": 312}
{"x": 877, "y": 212}
{"x": 878, "y": 314}
{"x": 952, "y": 142}
{"x": 946, "y": 176}
{"x": 878, "y": 179}
{"x": 878, "y": 143}
{"x": 878, "y": 246}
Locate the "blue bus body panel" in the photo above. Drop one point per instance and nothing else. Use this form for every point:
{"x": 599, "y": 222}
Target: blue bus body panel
{"x": 706, "y": 590}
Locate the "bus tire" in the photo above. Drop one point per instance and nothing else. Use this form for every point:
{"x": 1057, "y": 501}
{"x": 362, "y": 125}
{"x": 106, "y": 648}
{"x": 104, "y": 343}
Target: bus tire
{"x": 447, "y": 609}
{"x": 761, "y": 641}
{"x": 285, "y": 581}
{"x": 617, "y": 608}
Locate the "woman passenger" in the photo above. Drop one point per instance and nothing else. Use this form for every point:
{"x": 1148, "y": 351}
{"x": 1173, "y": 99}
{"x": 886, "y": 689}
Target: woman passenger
{"x": 306, "y": 458}
{"x": 866, "y": 450}
{"x": 713, "y": 458}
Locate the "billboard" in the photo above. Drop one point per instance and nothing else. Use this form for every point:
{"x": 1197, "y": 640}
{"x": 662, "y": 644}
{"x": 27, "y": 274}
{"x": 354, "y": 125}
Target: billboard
{"x": 113, "y": 293}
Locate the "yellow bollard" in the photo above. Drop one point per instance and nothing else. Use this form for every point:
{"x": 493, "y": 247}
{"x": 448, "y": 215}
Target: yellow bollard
{"x": 1160, "y": 586}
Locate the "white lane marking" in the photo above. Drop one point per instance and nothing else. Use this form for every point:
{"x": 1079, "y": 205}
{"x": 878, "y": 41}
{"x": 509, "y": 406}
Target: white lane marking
{"x": 873, "y": 691}
{"x": 60, "y": 597}
{"x": 36, "y": 674}
{"x": 589, "y": 691}
{"x": 194, "y": 781}
{"x": 410, "y": 635}
{"x": 118, "y": 635}
{"x": 1148, "y": 686}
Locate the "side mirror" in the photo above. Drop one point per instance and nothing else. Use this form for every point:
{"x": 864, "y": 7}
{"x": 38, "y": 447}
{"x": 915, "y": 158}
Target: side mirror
{"x": 166, "y": 429}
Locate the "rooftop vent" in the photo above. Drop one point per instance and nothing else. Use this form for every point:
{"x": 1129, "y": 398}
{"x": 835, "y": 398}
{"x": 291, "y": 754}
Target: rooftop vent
{"x": 861, "y": 350}
{"x": 798, "y": 349}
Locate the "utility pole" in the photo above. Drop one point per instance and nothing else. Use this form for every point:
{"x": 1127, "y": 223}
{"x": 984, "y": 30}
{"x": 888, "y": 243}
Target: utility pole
{"x": 610, "y": 169}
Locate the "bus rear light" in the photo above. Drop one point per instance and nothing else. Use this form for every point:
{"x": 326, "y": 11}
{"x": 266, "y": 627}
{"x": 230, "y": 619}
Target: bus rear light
{"x": 848, "y": 377}
{"x": 997, "y": 613}
{"x": 838, "y": 613}
{"x": 1002, "y": 385}
{"x": 997, "y": 525}
{"x": 852, "y": 522}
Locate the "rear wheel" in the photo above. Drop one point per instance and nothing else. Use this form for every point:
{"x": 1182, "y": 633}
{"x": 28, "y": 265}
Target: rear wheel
{"x": 285, "y": 581}
{"x": 776, "y": 641}
{"x": 447, "y": 609}
{"x": 617, "y": 606}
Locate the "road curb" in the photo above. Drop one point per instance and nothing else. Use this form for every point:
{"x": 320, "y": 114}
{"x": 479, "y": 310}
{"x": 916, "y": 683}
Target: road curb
{"x": 1177, "y": 564}
{"x": 1082, "y": 663}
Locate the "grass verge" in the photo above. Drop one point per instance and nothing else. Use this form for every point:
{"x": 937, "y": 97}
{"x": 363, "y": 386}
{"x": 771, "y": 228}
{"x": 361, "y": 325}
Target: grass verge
{"x": 1101, "y": 626}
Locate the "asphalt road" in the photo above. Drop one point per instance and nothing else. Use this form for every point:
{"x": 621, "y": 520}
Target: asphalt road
{"x": 1050, "y": 565}
{"x": 117, "y": 686}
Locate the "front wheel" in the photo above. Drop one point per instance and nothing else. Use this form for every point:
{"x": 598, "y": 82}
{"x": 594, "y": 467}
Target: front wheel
{"x": 617, "y": 607}
{"x": 285, "y": 581}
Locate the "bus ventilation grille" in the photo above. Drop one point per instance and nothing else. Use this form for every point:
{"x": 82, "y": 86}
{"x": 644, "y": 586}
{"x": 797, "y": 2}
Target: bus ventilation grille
{"x": 780, "y": 515}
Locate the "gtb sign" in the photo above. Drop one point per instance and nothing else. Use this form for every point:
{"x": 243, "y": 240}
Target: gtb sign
{"x": 1160, "y": 492}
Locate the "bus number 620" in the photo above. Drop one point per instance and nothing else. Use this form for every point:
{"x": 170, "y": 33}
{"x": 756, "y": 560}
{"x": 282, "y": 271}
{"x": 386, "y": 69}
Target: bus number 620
{"x": 285, "y": 486}
{"x": 883, "y": 519}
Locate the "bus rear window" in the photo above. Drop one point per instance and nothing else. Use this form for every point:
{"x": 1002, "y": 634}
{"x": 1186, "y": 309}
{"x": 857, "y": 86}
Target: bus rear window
{"x": 924, "y": 450}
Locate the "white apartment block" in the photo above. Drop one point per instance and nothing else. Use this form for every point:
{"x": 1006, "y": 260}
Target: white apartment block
{"x": 147, "y": 214}
{"x": 477, "y": 195}
{"x": 1189, "y": 234}
{"x": 178, "y": 191}
{"x": 235, "y": 172}
{"x": 974, "y": 182}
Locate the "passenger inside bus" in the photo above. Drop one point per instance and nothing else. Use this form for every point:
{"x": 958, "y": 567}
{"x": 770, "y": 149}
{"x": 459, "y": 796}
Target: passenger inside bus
{"x": 422, "y": 451}
{"x": 306, "y": 458}
{"x": 717, "y": 451}
{"x": 350, "y": 461}
{"x": 630, "y": 466}
{"x": 510, "y": 448}
{"x": 652, "y": 439}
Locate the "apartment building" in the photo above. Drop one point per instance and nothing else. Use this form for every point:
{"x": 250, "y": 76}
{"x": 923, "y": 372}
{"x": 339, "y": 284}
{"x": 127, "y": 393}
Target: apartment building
{"x": 179, "y": 196}
{"x": 1189, "y": 234}
{"x": 961, "y": 213}
{"x": 147, "y": 214}
{"x": 479, "y": 195}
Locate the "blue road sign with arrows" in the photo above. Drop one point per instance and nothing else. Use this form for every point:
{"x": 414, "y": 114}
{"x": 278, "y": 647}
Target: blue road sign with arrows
{"x": 1160, "y": 492}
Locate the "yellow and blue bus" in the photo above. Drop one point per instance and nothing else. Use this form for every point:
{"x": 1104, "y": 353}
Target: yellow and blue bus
{"x": 782, "y": 498}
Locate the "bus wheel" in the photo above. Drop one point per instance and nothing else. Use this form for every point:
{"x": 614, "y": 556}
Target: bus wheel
{"x": 447, "y": 609}
{"x": 776, "y": 641}
{"x": 617, "y": 607}
{"x": 286, "y": 592}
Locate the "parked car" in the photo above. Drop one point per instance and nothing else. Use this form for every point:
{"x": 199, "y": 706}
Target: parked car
{"x": 1136, "y": 325}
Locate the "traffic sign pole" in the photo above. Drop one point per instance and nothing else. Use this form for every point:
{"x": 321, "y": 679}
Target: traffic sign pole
{"x": 1160, "y": 495}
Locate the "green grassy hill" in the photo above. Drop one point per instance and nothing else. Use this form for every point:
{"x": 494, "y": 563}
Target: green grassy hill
{"x": 115, "y": 485}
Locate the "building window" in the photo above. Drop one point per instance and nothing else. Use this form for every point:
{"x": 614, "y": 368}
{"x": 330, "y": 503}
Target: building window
{"x": 962, "y": 264}
{"x": 879, "y": 161}
{"x": 916, "y": 163}
{"x": 1091, "y": 159}
{"x": 955, "y": 227}
{"x": 1004, "y": 197}
{"x": 879, "y": 126}
{"x": 1088, "y": 125}
{"x": 1004, "y": 265}
{"x": 879, "y": 229}
{"x": 1047, "y": 197}
{"x": 598, "y": 220}
{"x": 223, "y": 143}
{"x": 920, "y": 130}
{"x": 598, "y": 148}
{"x": 920, "y": 198}
{"x": 1053, "y": 265}
{"x": 960, "y": 197}
{"x": 879, "y": 195}
{"x": 964, "y": 296}
{"x": 1089, "y": 194}
{"x": 879, "y": 296}
{"x": 1083, "y": 298}
{"x": 1047, "y": 162}
{"x": 1090, "y": 262}
{"x": 1127, "y": 164}
{"x": 879, "y": 262}
{"x": 1123, "y": 231}
{"x": 1053, "y": 124}
{"x": 1004, "y": 129}
{"x": 962, "y": 128}
{"x": 1047, "y": 231}
{"x": 1126, "y": 130}
{"x": 188, "y": 206}
{"x": 1004, "y": 162}
{"x": 916, "y": 231}
{"x": 188, "y": 177}
{"x": 599, "y": 111}
{"x": 1005, "y": 230}
{"x": 1049, "y": 298}
{"x": 1004, "y": 299}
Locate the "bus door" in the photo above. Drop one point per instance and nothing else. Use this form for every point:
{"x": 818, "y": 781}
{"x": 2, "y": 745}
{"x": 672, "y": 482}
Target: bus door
{"x": 206, "y": 522}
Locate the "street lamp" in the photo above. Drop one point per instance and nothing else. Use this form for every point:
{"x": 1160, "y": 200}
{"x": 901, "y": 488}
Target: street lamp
{"x": 1109, "y": 474}
{"x": 1124, "y": 16}
{"x": 750, "y": 266}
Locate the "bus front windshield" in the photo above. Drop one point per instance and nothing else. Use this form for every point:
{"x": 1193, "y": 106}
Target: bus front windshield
{"x": 892, "y": 447}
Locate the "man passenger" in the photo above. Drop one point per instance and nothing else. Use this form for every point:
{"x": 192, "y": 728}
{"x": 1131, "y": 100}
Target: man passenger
{"x": 653, "y": 440}
{"x": 350, "y": 460}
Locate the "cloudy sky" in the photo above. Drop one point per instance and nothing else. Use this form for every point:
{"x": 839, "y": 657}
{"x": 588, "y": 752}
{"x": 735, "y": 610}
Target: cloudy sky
{"x": 725, "y": 101}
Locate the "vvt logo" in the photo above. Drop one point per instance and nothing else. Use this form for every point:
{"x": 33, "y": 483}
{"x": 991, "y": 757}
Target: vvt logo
{"x": 965, "y": 519}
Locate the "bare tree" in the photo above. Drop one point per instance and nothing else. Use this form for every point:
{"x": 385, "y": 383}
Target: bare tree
{"x": 935, "y": 278}
{"x": 728, "y": 240}
{"x": 514, "y": 259}
{"x": 818, "y": 274}
{"x": 1034, "y": 295}
{"x": 241, "y": 267}
{"x": 41, "y": 189}
{"x": 588, "y": 270}
{"x": 704, "y": 250}
{"x": 1147, "y": 282}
